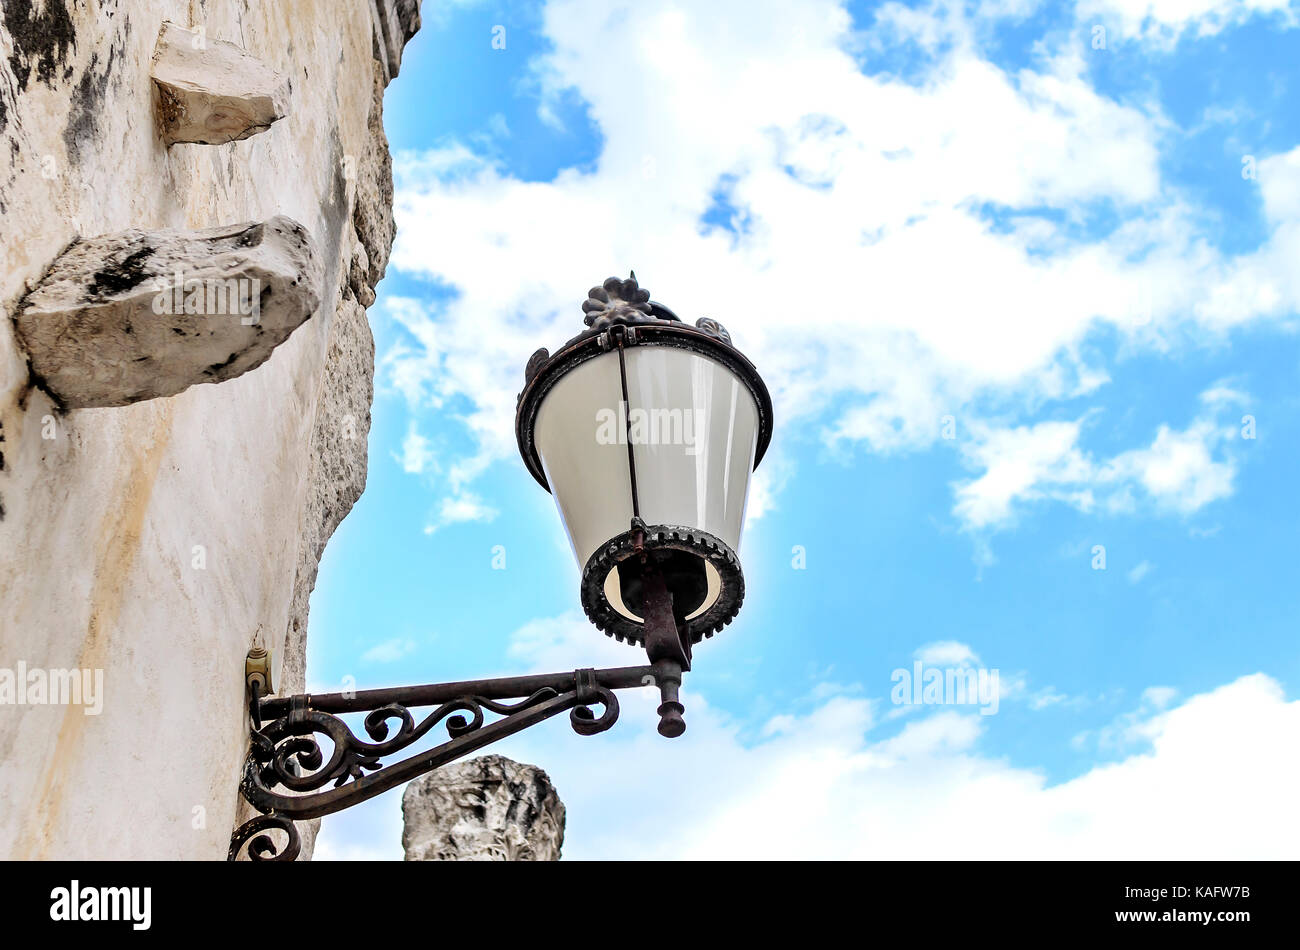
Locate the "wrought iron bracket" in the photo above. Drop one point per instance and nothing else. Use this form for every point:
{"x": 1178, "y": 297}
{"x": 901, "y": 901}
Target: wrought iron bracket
{"x": 286, "y": 773}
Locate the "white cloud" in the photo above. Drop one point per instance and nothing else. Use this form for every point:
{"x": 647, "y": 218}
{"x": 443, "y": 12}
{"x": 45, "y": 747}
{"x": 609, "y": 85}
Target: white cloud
{"x": 1020, "y": 463}
{"x": 1139, "y": 571}
{"x": 766, "y": 484}
{"x": 1163, "y": 22}
{"x": 389, "y": 651}
{"x": 458, "y": 509}
{"x": 1134, "y": 730}
{"x": 568, "y": 641}
{"x": 1180, "y": 471}
{"x": 1043, "y": 698}
{"x": 432, "y": 167}
{"x": 821, "y": 784}
{"x": 417, "y": 456}
{"x": 947, "y": 653}
{"x": 867, "y": 283}
{"x": 1158, "y": 697}
{"x": 1224, "y": 394}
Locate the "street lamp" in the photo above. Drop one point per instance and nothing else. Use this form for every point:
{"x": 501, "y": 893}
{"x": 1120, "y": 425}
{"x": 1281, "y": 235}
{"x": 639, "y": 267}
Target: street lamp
{"x": 646, "y": 431}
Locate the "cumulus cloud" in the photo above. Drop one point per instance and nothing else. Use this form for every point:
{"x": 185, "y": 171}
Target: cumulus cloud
{"x": 925, "y": 235}
{"x": 1181, "y": 471}
{"x": 459, "y": 508}
{"x": 826, "y": 783}
{"x": 1178, "y": 469}
{"x": 1024, "y": 462}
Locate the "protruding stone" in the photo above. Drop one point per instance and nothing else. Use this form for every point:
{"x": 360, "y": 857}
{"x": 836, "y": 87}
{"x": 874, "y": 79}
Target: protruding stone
{"x": 374, "y": 189}
{"x": 211, "y": 92}
{"x": 487, "y": 809}
{"x": 141, "y": 314}
{"x": 395, "y": 22}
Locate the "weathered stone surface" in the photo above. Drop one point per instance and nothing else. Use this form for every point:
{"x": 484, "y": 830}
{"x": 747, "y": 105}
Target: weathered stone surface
{"x": 211, "y": 92}
{"x": 372, "y": 214}
{"x": 487, "y": 809}
{"x": 158, "y": 541}
{"x": 337, "y": 476}
{"x": 396, "y": 21}
{"x": 141, "y": 314}
{"x": 338, "y": 468}
{"x": 335, "y": 481}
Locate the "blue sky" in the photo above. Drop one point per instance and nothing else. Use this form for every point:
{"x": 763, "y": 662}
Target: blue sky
{"x": 1022, "y": 279}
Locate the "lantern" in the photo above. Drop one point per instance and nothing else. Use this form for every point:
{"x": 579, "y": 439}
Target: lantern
{"x": 646, "y": 431}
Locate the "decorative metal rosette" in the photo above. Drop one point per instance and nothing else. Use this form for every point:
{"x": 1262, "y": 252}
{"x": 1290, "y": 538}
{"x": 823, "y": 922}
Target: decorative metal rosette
{"x": 617, "y": 300}
{"x": 711, "y": 549}
{"x": 623, "y": 302}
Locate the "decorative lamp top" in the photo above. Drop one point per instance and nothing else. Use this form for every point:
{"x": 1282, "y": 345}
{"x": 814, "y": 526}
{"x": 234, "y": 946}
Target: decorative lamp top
{"x": 617, "y": 301}
{"x": 620, "y": 302}
{"x": 626, "y": 302}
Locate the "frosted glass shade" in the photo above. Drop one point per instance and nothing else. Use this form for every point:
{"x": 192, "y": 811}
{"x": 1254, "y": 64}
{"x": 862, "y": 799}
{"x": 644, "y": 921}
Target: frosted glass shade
{"x": 693, "y": 429}
{"x": 646, "y": 430}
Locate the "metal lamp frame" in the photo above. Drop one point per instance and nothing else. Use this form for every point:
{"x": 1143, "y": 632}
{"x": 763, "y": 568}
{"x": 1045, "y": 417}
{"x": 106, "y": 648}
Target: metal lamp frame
{"x": 286, "y": 773}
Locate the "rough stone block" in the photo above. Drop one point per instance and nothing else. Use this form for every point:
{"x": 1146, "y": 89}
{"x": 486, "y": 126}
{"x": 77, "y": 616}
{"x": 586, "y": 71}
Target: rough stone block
{"x": 487, "y": 809}
{"x": 211, "y": 92}
{"x": 371, "y": 213}
{"x": 395, "y": 22}
{"x": 140, "y": 314}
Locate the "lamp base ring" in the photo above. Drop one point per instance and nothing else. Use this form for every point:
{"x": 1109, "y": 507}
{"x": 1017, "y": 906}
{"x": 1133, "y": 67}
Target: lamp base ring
{"x": 706, "y": 546}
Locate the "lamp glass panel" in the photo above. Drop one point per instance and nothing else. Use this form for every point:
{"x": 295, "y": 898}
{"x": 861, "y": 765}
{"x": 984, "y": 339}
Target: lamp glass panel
{"x": 693, "y": 426}
{"x": 578, "y": 437}
{"x": 694, "y": 431}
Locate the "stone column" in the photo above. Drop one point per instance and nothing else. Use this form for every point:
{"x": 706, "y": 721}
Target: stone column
{"x": 485, "y": 809}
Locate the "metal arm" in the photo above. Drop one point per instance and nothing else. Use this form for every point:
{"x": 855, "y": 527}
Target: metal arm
{"x": 287, "y": 745}
{"x": 285, "y": 753}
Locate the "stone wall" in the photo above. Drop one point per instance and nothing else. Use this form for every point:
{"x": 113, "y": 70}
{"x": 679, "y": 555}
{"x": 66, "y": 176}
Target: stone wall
{"x": 158, "y": 540}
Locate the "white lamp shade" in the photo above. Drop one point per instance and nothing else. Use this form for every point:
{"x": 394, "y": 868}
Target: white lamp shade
{"x": 692, "y": 425}
{"x": 646, "y": 431}
{"x": 693, "y": 429}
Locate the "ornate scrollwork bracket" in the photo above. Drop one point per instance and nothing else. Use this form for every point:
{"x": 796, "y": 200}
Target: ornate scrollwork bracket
{"x": 288, "y": 777}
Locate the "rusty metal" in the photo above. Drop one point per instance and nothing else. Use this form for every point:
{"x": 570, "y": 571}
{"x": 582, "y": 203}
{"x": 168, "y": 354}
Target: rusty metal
{"x": 669, "y": 651}
{"x": 635, "y": 543}
{"x": 287, "y": 774}
{"x": 261, "y": 847}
